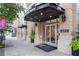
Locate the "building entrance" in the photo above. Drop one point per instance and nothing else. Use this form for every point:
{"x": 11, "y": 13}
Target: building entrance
{"x": 51, "y": 34}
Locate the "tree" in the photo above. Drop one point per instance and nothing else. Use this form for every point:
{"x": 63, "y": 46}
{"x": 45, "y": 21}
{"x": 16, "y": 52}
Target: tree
{"x": 33, "y": 5}
{"x": 10, "y": 11}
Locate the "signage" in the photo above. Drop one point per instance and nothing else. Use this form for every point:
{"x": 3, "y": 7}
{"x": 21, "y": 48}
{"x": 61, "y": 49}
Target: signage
{"x": 2, "y": 23}
{"x": 64, "y": 30}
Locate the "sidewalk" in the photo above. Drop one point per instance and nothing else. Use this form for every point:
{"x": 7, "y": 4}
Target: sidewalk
{"x": 19, "y": 47}
{"x": 2, "y": 52}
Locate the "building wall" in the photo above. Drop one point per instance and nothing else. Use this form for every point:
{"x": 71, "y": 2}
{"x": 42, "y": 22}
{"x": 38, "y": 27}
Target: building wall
{"x": 39, "y": 33}
{"x": 30, "y": 27}
{"x": 70, "y": 23}
{"x": 64, "y": 37}
{"x": 21, "y": 32}
{"x": 15, "y": 25}
{"x": 77, "y": 17}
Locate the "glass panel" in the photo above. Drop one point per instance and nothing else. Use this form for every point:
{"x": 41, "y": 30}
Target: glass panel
{"x": 47, "y": 34}
{"x": 47, "y": 21}
{"x": 52, "y": 34}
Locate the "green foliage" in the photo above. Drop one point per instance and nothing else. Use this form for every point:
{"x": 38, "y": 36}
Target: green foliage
{"x": 32, "y": 36}
{"x": 77, "y": 32}
{"x": 10, "y": 10}
{"x": 75, "y": 44}
{"x": 33, "y": 5}
{"x": 2, "y": 45}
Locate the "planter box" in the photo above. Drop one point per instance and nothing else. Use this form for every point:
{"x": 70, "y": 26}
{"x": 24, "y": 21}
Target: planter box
{"x": 75, "y": 53}
{"x": 32, "y": 40}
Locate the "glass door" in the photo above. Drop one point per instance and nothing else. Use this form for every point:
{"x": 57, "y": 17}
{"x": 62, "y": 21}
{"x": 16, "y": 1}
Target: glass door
{"x": 51, "y": 34}
{"x": 47, "y": 36}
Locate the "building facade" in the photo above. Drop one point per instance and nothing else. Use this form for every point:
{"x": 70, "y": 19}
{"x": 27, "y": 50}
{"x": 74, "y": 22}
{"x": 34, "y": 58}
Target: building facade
{"x": 55, "y": 32}
{"x": 19, "y": 24}
{"x": 77, "y": 17}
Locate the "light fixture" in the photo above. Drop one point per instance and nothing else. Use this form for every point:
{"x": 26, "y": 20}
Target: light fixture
{"x": 63, "y": 18}
{"x": 31, "y": 18}
{"x": 50, "y": 16}
{"x": 35, "y": 17}
{"x": 41, "y": 13}
{"x": 39, "y": 19}
{"x": 35, "y": 23}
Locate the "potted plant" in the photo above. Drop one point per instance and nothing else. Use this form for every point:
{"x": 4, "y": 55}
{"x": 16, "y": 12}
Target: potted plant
{"x": 32, "y": 36}
{"x": 75, "y": 44}
{"x": 75, "y": 47}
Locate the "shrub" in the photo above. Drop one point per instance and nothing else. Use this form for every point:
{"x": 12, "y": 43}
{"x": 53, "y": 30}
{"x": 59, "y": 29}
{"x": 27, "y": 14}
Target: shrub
{"x": 75, "y": 44}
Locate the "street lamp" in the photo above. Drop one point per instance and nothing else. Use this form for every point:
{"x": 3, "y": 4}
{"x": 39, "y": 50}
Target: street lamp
{"x": 63, "y": 18}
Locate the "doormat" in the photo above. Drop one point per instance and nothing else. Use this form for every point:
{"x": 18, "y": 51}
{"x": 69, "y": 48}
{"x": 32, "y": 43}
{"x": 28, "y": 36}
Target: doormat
{"x": 46, "y": 47}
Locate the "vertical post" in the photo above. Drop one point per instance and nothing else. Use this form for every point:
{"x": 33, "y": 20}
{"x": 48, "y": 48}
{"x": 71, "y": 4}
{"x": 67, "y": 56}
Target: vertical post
{"x": 43, "y": 36}
{"x": 57, "y": 31}
{"x": 50, "y": 32}
{"x": 1, "y": 37}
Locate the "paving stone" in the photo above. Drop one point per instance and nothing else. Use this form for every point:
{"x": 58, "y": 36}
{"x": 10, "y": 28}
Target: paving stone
{"x": 19, "y": 47}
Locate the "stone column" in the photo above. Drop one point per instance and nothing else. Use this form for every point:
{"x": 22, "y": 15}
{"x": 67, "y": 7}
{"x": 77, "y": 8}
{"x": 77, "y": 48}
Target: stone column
{"x": 66, "y": 37}
{"x": 30, "y": 26}
{"x": 38, "y": 34}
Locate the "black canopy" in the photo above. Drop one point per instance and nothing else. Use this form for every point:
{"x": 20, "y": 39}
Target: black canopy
{"x": 44, "y": 12}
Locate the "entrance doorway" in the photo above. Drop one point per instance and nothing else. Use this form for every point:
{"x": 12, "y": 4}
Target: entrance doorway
{"x": 51, "y": 34}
